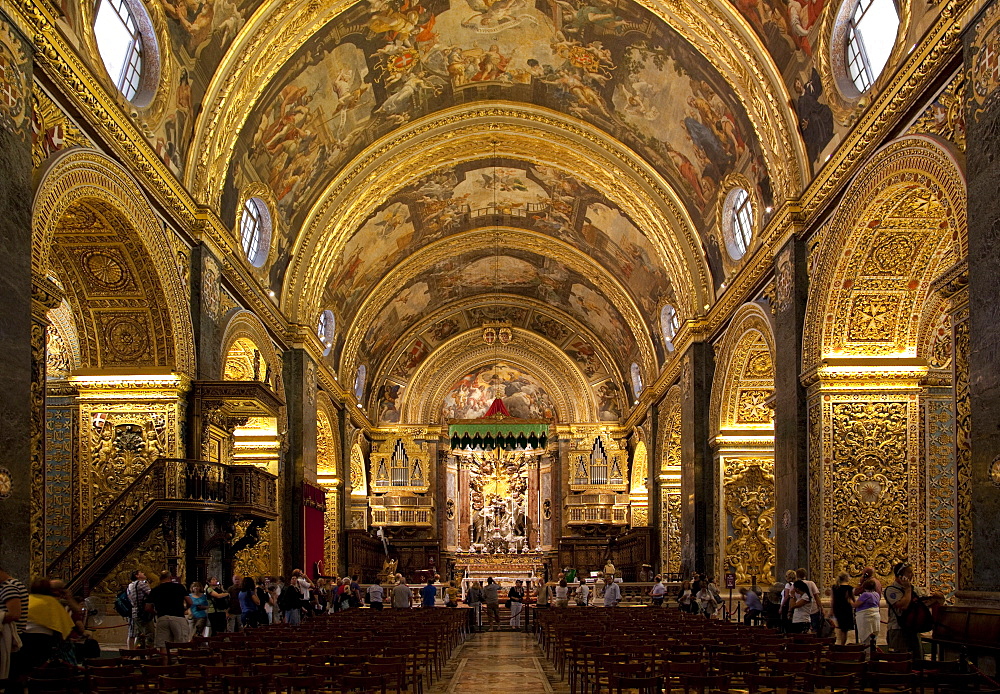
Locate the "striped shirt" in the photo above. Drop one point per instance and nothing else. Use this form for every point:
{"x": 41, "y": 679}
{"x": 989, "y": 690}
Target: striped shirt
{"x": 13, "y": 589}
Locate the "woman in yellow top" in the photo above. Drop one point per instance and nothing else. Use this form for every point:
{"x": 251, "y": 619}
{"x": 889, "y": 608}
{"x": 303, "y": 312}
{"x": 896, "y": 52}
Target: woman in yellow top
{"x": 451, "y": 594}
{"x": 49, "y": 625}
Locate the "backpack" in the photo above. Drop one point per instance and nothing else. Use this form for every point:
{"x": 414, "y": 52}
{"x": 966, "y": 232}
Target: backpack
{"x": 289, "y": 598}
{"x": 123, "y": 606}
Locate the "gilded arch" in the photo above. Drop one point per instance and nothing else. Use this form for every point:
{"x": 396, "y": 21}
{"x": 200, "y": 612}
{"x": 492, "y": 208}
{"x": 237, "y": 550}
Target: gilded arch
{"x": 571, "y": 394}
{"x": 78, "y": 175}
{"x": 900, "y": 225}
{"x": 744, "y": 374}
{"x": 245, "y": 325}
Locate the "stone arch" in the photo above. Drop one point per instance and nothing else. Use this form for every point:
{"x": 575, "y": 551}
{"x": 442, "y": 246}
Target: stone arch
{"x": 571, "y": 394}
{"x": 900, "y": 225}
{"x": 744, "y": 370}
{"x": 82, "y": 178}
{"x": 245, "y": 327}
{"x": 742, "y": 429}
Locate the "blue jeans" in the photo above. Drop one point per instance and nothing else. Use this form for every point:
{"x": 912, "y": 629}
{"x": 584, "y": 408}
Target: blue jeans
{"x": 293, "y": 616}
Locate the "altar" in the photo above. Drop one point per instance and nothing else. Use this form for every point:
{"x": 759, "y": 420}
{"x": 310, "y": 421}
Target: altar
{"x": 504, "y": 568}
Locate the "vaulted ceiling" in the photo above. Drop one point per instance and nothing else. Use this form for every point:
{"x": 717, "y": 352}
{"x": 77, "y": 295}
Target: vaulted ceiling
{"x": 414, "y": 151}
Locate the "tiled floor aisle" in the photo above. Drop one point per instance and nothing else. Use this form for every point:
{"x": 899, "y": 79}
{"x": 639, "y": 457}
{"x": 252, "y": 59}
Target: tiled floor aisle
{"x": 502, "y": 662}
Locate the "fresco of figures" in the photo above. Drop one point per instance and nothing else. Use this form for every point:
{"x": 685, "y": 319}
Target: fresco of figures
{"x": 383, "y": 63}
{"x": 471, "y": 396}
{"x": 522, "y": 273}
{"x": 533, "y": 197}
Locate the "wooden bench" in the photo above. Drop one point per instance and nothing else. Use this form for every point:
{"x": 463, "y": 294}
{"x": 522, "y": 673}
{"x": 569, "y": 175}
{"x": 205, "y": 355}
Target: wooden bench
{"x": 968, "y": 631}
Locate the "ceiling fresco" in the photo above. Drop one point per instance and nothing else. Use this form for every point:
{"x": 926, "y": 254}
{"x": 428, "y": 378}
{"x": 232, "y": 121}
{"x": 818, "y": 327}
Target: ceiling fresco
{"x": 384, "y": 63}
{"x": 521, "y": 274}
{"x": 538, "y": 198}
{"x": 471, "y": 396}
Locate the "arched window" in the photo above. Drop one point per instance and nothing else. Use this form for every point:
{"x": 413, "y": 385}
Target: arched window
{"x": 359, "y": 384}
{"x": 255, "y": 230}
{"x": 670, "y": 323}
{"x": 119, "y": 28}
{"x": 871, "y": 35}
{"x": 325, "y": 330}
{"x": 737, "y": 222}
{"x": 636, "y": 380}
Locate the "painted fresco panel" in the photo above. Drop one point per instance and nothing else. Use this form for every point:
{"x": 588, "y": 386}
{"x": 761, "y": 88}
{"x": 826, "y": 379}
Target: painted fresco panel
{"x": 471, "y": 396}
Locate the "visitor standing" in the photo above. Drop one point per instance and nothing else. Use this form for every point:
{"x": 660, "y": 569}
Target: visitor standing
{"x": 544, "y": 593}
{"x": 234, "y": 615}
{"x": 842, "y": 607}
{"x": 562, "y": 594}
{"x": 686, "y": 599}
{"x": 249, "y": 603}
{"x": 402, "y": 596}
{"x": 491, "y": 596}
{"x": 451, "y": 594}
{"x": 140, "y": 624}
{"x": 474, "y": 599}
{"x": 815, "y": 608}
{"x": 169, "y": 600}
{"x": 868, "y": 573}
{"x": 375, "y": 595}
{"x": 800, "y": 603}
{"x": 753, "y": 605}
{"x": 290, "y": 604}
{"x": 428, "y": 593}
{"x": 218, "y": 605}
{"x": 786, "y": 601}
{"x": 199, "y": 610}
{"x": 612, "y": 592}
{"x": 658, "y": 592}
{"x": 13, "y": 620}
{"x": 583, "y": 594}
{"x": 902, "y": 635}
{"x": 516, "y": 597}
{"x": 866, "y": 612}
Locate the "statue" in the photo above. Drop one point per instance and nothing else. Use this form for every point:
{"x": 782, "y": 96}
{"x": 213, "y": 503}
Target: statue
{"x": 609, "y": 569}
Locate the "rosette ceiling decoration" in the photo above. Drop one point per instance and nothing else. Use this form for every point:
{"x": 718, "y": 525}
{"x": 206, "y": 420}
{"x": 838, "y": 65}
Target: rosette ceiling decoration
{"x": 393, "y": 139}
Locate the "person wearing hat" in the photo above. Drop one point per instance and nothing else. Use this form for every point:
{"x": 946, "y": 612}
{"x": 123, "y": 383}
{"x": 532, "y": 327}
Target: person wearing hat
{"x": 899, "y": 595}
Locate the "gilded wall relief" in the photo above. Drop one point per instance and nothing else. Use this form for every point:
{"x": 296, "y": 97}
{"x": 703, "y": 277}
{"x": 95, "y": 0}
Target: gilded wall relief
{"x": 981, "y": 62}
{"x": 942, "y": 483}
{"x": 51, "y": 130}
{"x": 149, "y": 556}
{"x": 945, "y": 116}
{"x": 748, "y": 498}
{"x": 258, "y": 559}
{"x": 15, "y": 81}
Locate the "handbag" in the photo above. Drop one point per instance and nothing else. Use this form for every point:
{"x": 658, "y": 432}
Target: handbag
{"x": 917, "y": 617}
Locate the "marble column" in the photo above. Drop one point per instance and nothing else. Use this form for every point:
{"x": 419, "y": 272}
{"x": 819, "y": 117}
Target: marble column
{"x": 300, "y": 398}
{"x": 981, "y": 573}
{"x": 699, "y": 483}
{"x": 22, "y": 404}
{"x": 791, "y": 465}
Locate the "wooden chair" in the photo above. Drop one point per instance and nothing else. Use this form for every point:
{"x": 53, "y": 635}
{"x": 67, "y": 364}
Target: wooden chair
{"x": 366, "y": 684}
{"x": 297, "y": 684}
{"x": 704, "y": 683}
{"x": 897, "y": 666}
{"x": 643, "y": 685}
{"x": 182, "y": 685}
{"x": 886, "y": 681}
{"x": 769, "y": 684}
{"x": 245, "y": 684}
{"x": 120, "y": 684}
{"x": 831, "y": 683}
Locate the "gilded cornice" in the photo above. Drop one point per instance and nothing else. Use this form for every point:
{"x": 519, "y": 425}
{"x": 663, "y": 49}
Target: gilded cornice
{"x": 465, "y": 133}
{"x": 475, "y": 240}
{"x": 493, "y": 299}
{"x": 275, "y": 32}
{"x": 563, "y": 380}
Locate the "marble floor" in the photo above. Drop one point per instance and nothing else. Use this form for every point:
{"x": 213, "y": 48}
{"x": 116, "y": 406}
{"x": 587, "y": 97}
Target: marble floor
{"x": 503, "y": 662}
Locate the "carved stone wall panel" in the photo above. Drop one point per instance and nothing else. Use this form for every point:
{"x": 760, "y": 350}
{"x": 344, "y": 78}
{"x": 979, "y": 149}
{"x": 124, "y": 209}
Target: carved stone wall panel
{"x": 149, "y": 555}
{"x": 748, "y": 498}
{"x": 672, "y": 530}
{"x": 942, "y": 494}
{"x": 331, "y": 530}
{"x": 60, "y": 446}
{"x": 873, "y": 503}
{"x": 669, "y": 472}
{"x": 963, "y": 452}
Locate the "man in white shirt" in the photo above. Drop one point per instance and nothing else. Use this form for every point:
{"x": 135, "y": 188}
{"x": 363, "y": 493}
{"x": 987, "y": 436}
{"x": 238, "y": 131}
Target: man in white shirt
{"x": 583, "y": 594}
{"x": 612, "y": 593}
{"x": 815, "y": 610}
{"x": 300, "y": 581}
{"x": 658, "y": 592}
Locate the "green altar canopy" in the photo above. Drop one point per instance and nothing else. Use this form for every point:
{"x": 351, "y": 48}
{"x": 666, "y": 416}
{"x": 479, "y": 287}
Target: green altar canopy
{"x": 497, "y": 429}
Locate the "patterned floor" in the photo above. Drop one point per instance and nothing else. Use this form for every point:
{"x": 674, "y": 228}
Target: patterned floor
{"x": 502, "y": 662}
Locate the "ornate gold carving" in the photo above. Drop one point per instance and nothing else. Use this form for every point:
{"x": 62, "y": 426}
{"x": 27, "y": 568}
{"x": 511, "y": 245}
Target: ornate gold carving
{"x": 784, "y": 281}
{"x": 748, "y": 492}
{"x": 15, "y": 91}
{"x": 561, "y": 377}
{"x": 149, "y": 555}
{"x": 331, "y": 529}
{"x": 744, "y": 374}
{"x": 945, "y": 117}
{"x": 672, "y": 530}
{"x": 78, "y": 176}
{"x": 51, "y": 130}
{"x": 901, "y": 216}
{"x": 984, "y": 78}
{"x": 255, "y": 560}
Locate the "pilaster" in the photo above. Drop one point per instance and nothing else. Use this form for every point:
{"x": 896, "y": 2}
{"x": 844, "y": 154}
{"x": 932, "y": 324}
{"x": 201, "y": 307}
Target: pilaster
{"x": 300, "y": 398}
{"x": 699, "y": 484}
